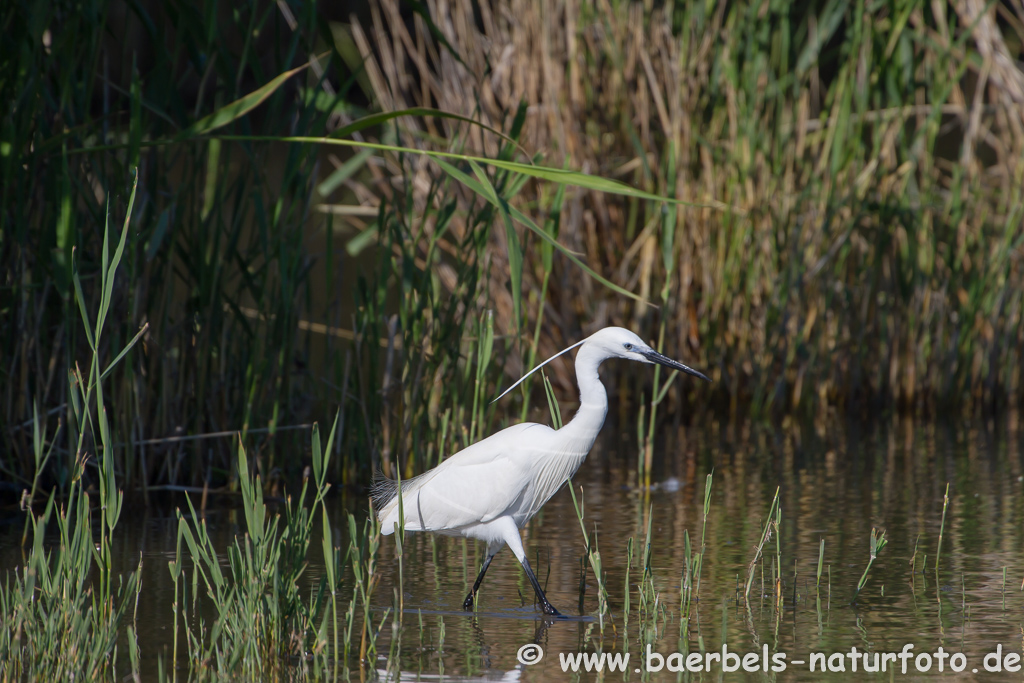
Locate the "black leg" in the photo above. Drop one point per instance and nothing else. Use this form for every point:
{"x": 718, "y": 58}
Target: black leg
{"x": 545, "y": 605}
{"x": 468, "y": 604}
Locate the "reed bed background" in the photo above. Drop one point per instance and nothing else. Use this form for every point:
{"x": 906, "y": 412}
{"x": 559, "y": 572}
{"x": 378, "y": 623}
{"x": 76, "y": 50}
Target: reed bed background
{"x": 856, "y": 238}
{"x": 846, "y": 230}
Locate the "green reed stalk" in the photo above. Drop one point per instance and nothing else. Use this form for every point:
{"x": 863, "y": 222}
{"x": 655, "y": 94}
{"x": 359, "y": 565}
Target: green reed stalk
{"x": 648, "y": 594}
{"x": 485, "y": 346}
{"x": 704, "y": 530}
{"x": 261, "y": 576}
{"x": 657, "y": 396}
{"x": 625, "y": 583}
{"x": 551, "y": 227}
{"x": 778, "y": 556}
{"x": 693, "y": 563}
{"x": 364, "y": 567}
{"x": 688, "y": 572}
{"x": 593, "y": 557}
{"x": 942, "y": 527}
{"x": 41, "y": 458}
{"x": 176, "y": 571}
{"x": 821, "y": 561}
{"x": 766, "y": 532}
{"x": 62, "y": 614}
{"x": 553, "y": 407}
{"x": 332, "y": 560}
{"x": 399, "y": 545}
{"x": 667, "y": 234}
{"x": 641, "y": 440}
{"x": 878, "y": 541}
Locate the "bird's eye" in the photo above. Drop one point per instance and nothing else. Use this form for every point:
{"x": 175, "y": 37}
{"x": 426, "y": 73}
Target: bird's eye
{"x": 629, "y": 347}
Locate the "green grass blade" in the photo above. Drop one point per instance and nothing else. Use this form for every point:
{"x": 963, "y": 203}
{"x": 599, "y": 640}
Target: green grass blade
{"x": 385, "y": 116}
{"x": 81, "y": 302}
{"x": 515, "y": 249}
{"x": 526, "y": 221}
{"x": 555, "y": 175}
{"x": 110, "y": 269}
{"x": 128, "y": 347}
{"x": 317, "y": 453}
{"x": 237, "y": 109}
{"x": 344, "y": 172}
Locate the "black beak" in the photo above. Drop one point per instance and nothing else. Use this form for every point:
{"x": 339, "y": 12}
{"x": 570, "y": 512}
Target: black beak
{"x": 656, "y": 357}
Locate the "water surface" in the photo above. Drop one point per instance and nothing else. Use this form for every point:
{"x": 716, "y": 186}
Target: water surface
{"x": 836, "y": 482}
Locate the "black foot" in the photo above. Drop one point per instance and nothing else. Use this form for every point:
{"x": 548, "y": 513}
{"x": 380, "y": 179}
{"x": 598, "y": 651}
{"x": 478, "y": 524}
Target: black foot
{"x": 471, "y": 598}
{"x": 550, "y": 610}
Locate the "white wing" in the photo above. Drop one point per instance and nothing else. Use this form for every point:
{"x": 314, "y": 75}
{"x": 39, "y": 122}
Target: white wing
{"x": 478, "y": 484}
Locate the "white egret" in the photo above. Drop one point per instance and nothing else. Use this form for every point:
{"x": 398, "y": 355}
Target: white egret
{"x": 491, "y": 489}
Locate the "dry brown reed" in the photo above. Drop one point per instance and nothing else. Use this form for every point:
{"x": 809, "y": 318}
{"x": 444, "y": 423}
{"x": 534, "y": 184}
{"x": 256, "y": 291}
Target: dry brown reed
{"x": 856, "y": 233}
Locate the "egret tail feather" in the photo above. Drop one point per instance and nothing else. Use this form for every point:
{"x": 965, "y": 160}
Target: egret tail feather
{"x": 382, "y": 491}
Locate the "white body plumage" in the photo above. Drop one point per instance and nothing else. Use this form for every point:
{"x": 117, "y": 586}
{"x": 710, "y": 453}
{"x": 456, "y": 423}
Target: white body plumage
{"x": 491, "y": 489}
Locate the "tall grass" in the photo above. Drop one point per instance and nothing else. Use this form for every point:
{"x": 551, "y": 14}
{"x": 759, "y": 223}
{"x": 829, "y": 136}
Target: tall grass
{"x": 857, "y": 239}
{"x": 63, "y": 608}
{"x": 263, "y": 621}
{"x": 593, "y": 559}
{"x": 771, "y": 526}
{"x": 216, "y": 261}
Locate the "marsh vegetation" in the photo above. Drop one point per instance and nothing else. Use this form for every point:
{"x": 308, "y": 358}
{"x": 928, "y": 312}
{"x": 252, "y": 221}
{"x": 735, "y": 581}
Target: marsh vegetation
{"x": 221, "y": 225}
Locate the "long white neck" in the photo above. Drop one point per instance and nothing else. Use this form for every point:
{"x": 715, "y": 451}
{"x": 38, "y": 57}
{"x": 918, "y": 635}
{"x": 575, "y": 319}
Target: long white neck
{"x": 589, "y": 419}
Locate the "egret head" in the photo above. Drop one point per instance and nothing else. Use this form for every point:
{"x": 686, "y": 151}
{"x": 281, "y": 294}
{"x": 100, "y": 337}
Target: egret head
{"x": 617, "y": 342}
